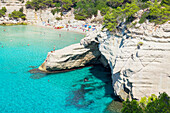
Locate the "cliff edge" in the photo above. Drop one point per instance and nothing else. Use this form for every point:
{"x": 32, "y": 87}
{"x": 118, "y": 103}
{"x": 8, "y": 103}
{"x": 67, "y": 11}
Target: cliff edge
{"x": 138, "y": 57}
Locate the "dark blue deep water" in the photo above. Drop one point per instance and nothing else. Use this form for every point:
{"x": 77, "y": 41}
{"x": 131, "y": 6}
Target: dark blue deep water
{"x": 23, "y": 92}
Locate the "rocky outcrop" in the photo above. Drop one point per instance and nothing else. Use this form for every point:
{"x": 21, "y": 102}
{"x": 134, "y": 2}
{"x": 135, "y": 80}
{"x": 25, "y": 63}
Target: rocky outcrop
{"x": 76, "y": 55}
{"x": 139, "y": 60}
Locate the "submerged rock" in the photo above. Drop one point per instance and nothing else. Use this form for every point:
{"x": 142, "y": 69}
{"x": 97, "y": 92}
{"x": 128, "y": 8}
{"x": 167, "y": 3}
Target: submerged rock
{"x": 114, "y": 107}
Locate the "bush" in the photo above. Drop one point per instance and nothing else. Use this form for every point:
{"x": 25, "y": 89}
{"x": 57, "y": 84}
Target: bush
{"x": 58, "y": 18}
{"x": 39, "y": 4}
{"x": 143, "y": 18}
{"x": 18, "y": 14}
{"x": 153, "y": 104}
{"x": 140, "y": 44}
{"x": 167, "y": 2}
{"x": 3, "y": 11}
{"x": 55, "y": 10}
{"x": 22, "y": 1}
{"x": 158, "y": 14}
{"x": 79, "y": 17}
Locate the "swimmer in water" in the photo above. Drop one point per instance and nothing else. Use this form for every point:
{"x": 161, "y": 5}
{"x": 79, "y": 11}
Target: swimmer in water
{"x": 86, "y": 79}
{"x": 59, "y": 35}
{"x": 4, "y": 30}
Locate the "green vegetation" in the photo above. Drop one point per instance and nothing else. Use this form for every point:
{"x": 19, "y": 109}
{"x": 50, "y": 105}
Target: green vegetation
{"x": 39, "y": 4}
{"x": 153, "y": 104}
{"x": 112, "y": 19}
{"x": 140, "y": 44}
{"x": 156, "y": 13}
{"x": 11, "y": 24}
{"x": 114, "y": 11}
{"x": 22, "y": 1}
{"x": 18, "y": 14}
{"x": 3, "y": 11}
{"x": 159, "y": 14}
{"x": 58, "y": 18}
{"x": 143, "y": 18}
{"x": 167, "y": 2}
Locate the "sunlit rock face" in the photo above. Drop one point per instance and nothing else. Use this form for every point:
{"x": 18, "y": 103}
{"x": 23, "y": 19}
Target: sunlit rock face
{"x": 76, "y": 55}
{"x": 70, "y": 57}
{"x": 139, "y": 60}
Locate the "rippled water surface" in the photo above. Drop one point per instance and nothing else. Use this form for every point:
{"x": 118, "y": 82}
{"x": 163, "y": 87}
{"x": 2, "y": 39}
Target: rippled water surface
{"x": 22, "y": 92}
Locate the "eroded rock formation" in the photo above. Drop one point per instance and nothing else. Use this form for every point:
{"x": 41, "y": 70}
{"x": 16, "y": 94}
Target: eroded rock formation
{"x": 76, "y": 55}
{"x": 139, "y": 58}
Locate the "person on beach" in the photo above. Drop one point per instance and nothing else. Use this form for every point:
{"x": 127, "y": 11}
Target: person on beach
{"x": 54, "y": 48}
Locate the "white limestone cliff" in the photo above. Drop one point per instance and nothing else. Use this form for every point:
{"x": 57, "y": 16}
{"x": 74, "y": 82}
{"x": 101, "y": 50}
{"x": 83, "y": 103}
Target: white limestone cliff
{"x": 139, "y": 58}
{"x": 139, "y": 70}
{"x": 74, "y": 56}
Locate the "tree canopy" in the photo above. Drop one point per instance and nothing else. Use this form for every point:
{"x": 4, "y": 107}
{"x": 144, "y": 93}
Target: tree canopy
{"x": 114, "y": 11}
{"x": 3, "y": 11}
{"x": 158, "y": 13}
{"x": 18, "y": 14}
{"x": 152, "y": 104}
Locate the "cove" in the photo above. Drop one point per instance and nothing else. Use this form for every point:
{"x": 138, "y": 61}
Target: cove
{"x": 23, "y": 48}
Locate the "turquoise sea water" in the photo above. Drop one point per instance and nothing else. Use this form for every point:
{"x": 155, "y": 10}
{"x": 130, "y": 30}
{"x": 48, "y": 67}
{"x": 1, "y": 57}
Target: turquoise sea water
{"x": 22, "y": 92}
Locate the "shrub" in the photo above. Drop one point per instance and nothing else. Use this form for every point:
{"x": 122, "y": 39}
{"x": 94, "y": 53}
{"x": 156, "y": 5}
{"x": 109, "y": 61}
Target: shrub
{"x": 165, "y": 2}
{"x": 3, "y": 11}
{"x": 143, "y": 18}
{"x": 22, "y": 1}
{"x": 55, "y": 10}
{"x": 18, "y": 14}
{"x": 158, "y": 14}
{"x": 153, "y": 104}
{"x": 140, "y": 44}
{"x": 58, "y": 18}
{"x": 79, "y": 17}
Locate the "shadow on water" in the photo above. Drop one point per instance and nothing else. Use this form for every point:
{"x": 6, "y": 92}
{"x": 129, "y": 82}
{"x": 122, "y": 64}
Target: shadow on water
{"x": 104, "y": 75}
{"x": 100, "y": 78}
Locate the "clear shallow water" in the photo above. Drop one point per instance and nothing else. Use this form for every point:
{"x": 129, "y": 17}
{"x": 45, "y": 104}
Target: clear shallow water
{"x": 22, "y": 92}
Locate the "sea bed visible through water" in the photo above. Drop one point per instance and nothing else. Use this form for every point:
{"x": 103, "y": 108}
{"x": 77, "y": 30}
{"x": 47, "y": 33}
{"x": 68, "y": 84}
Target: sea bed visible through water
{"x": 23, "y": 48}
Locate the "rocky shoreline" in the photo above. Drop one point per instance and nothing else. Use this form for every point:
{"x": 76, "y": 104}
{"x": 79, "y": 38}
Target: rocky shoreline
{"x": 138, "y": 58}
